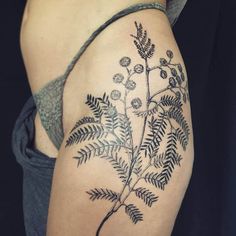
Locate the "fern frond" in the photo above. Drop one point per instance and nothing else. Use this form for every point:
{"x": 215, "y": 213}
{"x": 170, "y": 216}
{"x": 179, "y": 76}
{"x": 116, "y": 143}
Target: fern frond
{"x": 143, "y": 44}
{"x": 177, "y": 115}
{"x": 120, "y": 166}
{"x": 134, "y": 213}
{"x": 99, "y": 148}
{"x": 110, "y": 114}
{"x": 125, "y": 129}
{"x": 159, "y": 160}
{"x": 147, "y": 196}
{"x": 153, "y": 178}
{"x": 168, "y": 100}
{"x": 90, "y": 132}
{"x": 138, "y": 165}
{"x": 94, "y": 105}
{"x": 104, "y": 100}
{"x": 182, "y": 138}
{"x": 102, "y": 194}
{"x": 154, "y": 137}
{"x": 83, "y": 121}
{"x": 170, "y": 161}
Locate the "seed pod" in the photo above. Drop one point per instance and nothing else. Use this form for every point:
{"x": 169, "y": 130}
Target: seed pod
{"x": 138, "y": 68}
{"x": 130, "y": 85}
{"x": 115, "y": 94}
{"x": 136, "y": 103}
{"x": 174, "y": 72}
{"x": 163, "y": 74}
{"x": 125, "y": 61}
{"x": 172, "y": 82}
{"x": 163, "y": 61}
{"x": 179, "y": 81}
{"x": 118, "y": 78}
{"x": 170, "y": 54}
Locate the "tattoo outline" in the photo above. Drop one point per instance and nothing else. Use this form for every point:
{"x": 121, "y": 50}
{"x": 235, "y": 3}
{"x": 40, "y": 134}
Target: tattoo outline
{"x": 107, "y": 121}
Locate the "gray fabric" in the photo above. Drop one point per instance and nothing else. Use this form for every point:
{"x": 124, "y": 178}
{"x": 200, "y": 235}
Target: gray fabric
{"x": 37, "y": 167}
{"x": 173, "y": 9}
{"x": 37, "y": 172}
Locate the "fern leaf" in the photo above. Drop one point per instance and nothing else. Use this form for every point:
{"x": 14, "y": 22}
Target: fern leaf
{"x": 102, "y": 194}
{"x": 147, "y": 196}
{"x": 168, "y": 100}
{"x": 170, "y": 161}
{"x": 138, "y": 165}
{"x": 134, "y": 213}
{"x": 153, "y": 178}
{"x": 154, "y": 137}
{"x": 159, "y": 160}
{"x": 143, "y": 44}
{"x": 94, "y": 105}
{"x": 104, "y": 99}
{"x": 89, "y": 132}
{"x": 110, "y": 114}
{"x": 120, "y": 166}
{"x": 84, "y": 120}
{"x": 182, "y": 138}
{"x": 177, "y": 115}
{"x": 125, "y": 129}
{"x": 99, "y": 148}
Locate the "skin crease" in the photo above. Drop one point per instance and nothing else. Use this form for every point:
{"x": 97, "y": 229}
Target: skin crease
{"x": 45, "y": 56}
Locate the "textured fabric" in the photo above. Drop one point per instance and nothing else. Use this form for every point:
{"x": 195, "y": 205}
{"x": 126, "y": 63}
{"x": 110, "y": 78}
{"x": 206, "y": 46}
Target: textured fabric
{"x": 173, "y": 9}
{"x": 37, "y": 172}
{"x": 37, "y": 167}
{"x": 49, "y": 98}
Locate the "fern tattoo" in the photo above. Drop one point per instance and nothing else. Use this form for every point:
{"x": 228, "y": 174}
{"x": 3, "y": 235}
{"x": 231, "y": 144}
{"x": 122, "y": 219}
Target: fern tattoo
{"x": 108, "y": 133}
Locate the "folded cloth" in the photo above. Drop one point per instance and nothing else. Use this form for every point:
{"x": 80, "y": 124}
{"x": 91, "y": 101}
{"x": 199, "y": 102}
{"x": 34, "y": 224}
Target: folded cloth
{"x": 37, "y": 172}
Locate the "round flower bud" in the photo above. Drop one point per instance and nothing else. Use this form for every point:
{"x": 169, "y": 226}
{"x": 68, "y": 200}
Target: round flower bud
{"x": 125, "y": 61}
{"x": 169, "y": 53}
{"x": 174, "y": 72}
{"x": 136, "y": 103}
{"x": 138, "y": 68}
{"x": 180, "y": 68}
{"x": 111, "y": 111}
{"x": 163, "y": 62}
{"x": 115, "y": 94}
{"x": 182, "y": 76}
{"x": 118, "y": 78}
{"x": 163, "y": 74}
{"x": 179, "y": 81}
{"x": 130, "y": 84}
{"x": 172, "y": 82}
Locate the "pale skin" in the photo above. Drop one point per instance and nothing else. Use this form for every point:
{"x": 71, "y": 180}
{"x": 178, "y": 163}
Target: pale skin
{"x": 71, "y": 212}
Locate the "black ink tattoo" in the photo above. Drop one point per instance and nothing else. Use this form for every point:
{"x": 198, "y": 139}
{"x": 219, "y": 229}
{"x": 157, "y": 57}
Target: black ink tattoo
{"x": 109, "y": 132}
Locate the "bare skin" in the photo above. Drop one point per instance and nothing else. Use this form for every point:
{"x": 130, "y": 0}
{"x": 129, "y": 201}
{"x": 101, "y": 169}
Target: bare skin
{"x": 71, "y": 211}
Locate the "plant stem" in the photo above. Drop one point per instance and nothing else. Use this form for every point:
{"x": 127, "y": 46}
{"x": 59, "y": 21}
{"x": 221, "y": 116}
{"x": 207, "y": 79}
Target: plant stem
{"x": 109, "y": 214}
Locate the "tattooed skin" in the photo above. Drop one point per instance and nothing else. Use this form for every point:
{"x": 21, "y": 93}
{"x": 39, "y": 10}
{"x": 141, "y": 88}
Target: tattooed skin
{"x": 109, "y": 133}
